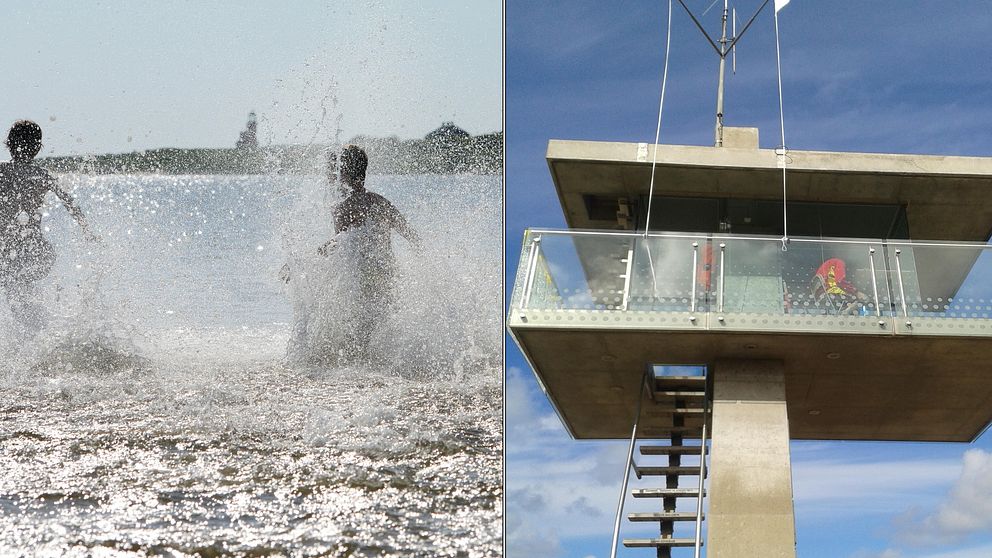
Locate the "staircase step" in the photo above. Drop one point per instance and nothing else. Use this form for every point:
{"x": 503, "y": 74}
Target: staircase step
{"x": 663, "y": 516}
{"x": 670, "y": 394}
{"x": 682, "y": 398}
{"x": 686, "y": 431}
{"x": 680, "y": 383}
{"x": 666, "y": 492}
{"x": 659, "y": 409}
{"x": 659, "y": 543}
{"x": 671, "y": 450}
{"x": 663, "y": 471}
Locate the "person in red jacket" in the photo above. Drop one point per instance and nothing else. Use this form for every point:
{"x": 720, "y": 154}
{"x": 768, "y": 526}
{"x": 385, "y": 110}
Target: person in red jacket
{"x": 830, "y": 283}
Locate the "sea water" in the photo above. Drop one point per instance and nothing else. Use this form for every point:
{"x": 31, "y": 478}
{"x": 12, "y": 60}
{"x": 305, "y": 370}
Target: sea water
{"x": 161, "y": 410}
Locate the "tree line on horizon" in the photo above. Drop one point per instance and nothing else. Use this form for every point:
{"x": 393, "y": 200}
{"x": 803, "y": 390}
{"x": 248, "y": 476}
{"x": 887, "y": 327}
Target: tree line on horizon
{"x": 446, "y": 150}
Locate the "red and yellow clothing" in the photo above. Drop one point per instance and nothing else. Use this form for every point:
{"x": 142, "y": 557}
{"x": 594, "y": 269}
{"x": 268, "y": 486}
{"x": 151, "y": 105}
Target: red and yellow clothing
{"x": 834, "y": 275}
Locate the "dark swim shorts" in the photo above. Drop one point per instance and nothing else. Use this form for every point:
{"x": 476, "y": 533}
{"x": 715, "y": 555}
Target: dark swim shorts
{"x": 25, "y": 260}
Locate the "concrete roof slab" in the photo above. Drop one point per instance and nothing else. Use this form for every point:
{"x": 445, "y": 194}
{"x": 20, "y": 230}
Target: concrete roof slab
{"x": 947, "y": 198}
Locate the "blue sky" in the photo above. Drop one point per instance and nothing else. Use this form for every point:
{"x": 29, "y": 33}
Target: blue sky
{"x": 120, "y": 75}
{"x": 894, "y": 76}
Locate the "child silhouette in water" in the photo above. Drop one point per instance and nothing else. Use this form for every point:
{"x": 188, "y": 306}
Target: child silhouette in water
{"x": 377, "y": 218}
{"x": 26, "y": 256}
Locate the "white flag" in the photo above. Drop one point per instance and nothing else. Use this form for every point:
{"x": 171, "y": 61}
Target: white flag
{"x": 779, "y": 4}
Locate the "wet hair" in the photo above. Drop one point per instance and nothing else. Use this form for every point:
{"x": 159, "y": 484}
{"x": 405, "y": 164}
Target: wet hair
{"x": 354, "y": 162}
{"x": 24, "y": 139}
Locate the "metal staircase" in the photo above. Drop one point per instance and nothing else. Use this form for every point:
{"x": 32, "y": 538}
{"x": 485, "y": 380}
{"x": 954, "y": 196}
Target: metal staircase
{"x": 681, "y": 405}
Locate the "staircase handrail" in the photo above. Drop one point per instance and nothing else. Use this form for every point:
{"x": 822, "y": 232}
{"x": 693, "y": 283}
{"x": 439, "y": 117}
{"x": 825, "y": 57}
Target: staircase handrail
{"x": 626, "y": 472}
{"x": 702, "y": 474}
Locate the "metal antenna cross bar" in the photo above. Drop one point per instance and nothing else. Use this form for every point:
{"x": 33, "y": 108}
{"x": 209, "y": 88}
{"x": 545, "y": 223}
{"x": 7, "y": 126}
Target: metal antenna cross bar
{"x": 748, "y": 24}
{"x": 726, "y": 45}
{"x": 702, "y": 29}
{"x": 734, "y": 40}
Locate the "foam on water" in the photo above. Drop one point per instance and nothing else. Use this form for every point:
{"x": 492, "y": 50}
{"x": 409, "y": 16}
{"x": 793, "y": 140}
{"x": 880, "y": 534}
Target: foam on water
{"x": 157, "y": 412}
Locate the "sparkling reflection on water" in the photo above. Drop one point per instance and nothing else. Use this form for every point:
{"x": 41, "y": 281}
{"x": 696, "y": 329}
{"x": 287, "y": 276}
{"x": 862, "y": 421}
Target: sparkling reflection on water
{"x": 198, "y": 441}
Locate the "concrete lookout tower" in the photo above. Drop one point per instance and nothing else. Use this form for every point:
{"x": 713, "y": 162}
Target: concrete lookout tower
{"x": 714, "y": 343}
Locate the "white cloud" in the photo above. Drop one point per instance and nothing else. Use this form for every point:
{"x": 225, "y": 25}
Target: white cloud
{"x": 982, "y": 551}
{"x": 963, "y": 511}
{"x": 824, "y": 487}
{"x": 526, "y": 500}
{"x": 529, "y": 428}
{"x": 530, "y": 540}
{"x": 966, "y": 510}
{"x": 979, "y": 551}
{"x": 582, "y": 506}
{"x": 519, "y": 407}
{"x": 525, "y": 537}
{"x": 556, "y": 487}
{"x": 887, "y": 553}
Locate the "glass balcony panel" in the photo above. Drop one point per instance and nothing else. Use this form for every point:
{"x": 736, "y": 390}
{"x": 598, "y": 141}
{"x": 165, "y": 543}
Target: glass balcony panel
{"x": 950, "y": 284}
{"x": 753, "y": 276}
{"x": 581, "y": 272}
{"x": 662, "y": 274}
{"x": 810, "y": 278}
{"x": 945, "y": 281}
{"x": 974, "y": 298}
{"x": 835, "y": 278}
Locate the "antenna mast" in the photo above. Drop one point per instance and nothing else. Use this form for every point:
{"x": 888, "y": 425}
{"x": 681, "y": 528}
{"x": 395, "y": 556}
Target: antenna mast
{"x": 723, "y": 72}
{"x": 726, "y": 45}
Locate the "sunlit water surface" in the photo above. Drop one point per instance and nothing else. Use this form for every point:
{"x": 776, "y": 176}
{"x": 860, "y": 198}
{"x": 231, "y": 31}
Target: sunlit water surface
{"x": 157, "y": 413}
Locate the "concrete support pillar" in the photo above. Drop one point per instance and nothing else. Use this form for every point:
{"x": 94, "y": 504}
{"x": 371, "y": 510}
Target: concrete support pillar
{"x": 750, "y": 486}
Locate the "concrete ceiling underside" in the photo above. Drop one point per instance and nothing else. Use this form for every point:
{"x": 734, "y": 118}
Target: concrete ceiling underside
{"x": 871, "y": 388}
{"x": 947, "y": 198}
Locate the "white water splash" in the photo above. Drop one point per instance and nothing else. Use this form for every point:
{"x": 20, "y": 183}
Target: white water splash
{"x": 156, "y": 411}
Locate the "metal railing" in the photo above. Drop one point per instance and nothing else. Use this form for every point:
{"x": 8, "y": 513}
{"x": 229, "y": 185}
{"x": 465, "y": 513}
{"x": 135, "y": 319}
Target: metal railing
{"x": 728, "y": 275}
{"x": 702, "y": 477}
{"x": 629, "y": 464}
{"x": 626, "y": 471}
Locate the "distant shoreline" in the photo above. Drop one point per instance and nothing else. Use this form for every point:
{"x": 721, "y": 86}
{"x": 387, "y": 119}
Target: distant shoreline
{"x": 482, "y": 154}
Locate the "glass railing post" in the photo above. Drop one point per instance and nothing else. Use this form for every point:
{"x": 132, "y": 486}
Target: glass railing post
{"x": 723, "y": 246}
{"x": 535, "y": 248}
{"x": 695, "y": 262}
{"x": 902, "y": 290}
{"x": 874, "y": 282}
{"x": 627, "y": 274}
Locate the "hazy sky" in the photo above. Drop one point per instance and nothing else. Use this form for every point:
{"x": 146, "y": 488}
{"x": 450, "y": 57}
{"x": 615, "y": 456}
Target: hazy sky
{"x": 116, "y": 75}
{"x": 894, "y": 76}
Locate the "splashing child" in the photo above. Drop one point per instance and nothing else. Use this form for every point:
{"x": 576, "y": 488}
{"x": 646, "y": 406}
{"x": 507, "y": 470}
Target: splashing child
{"x": 26, "y": 256}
